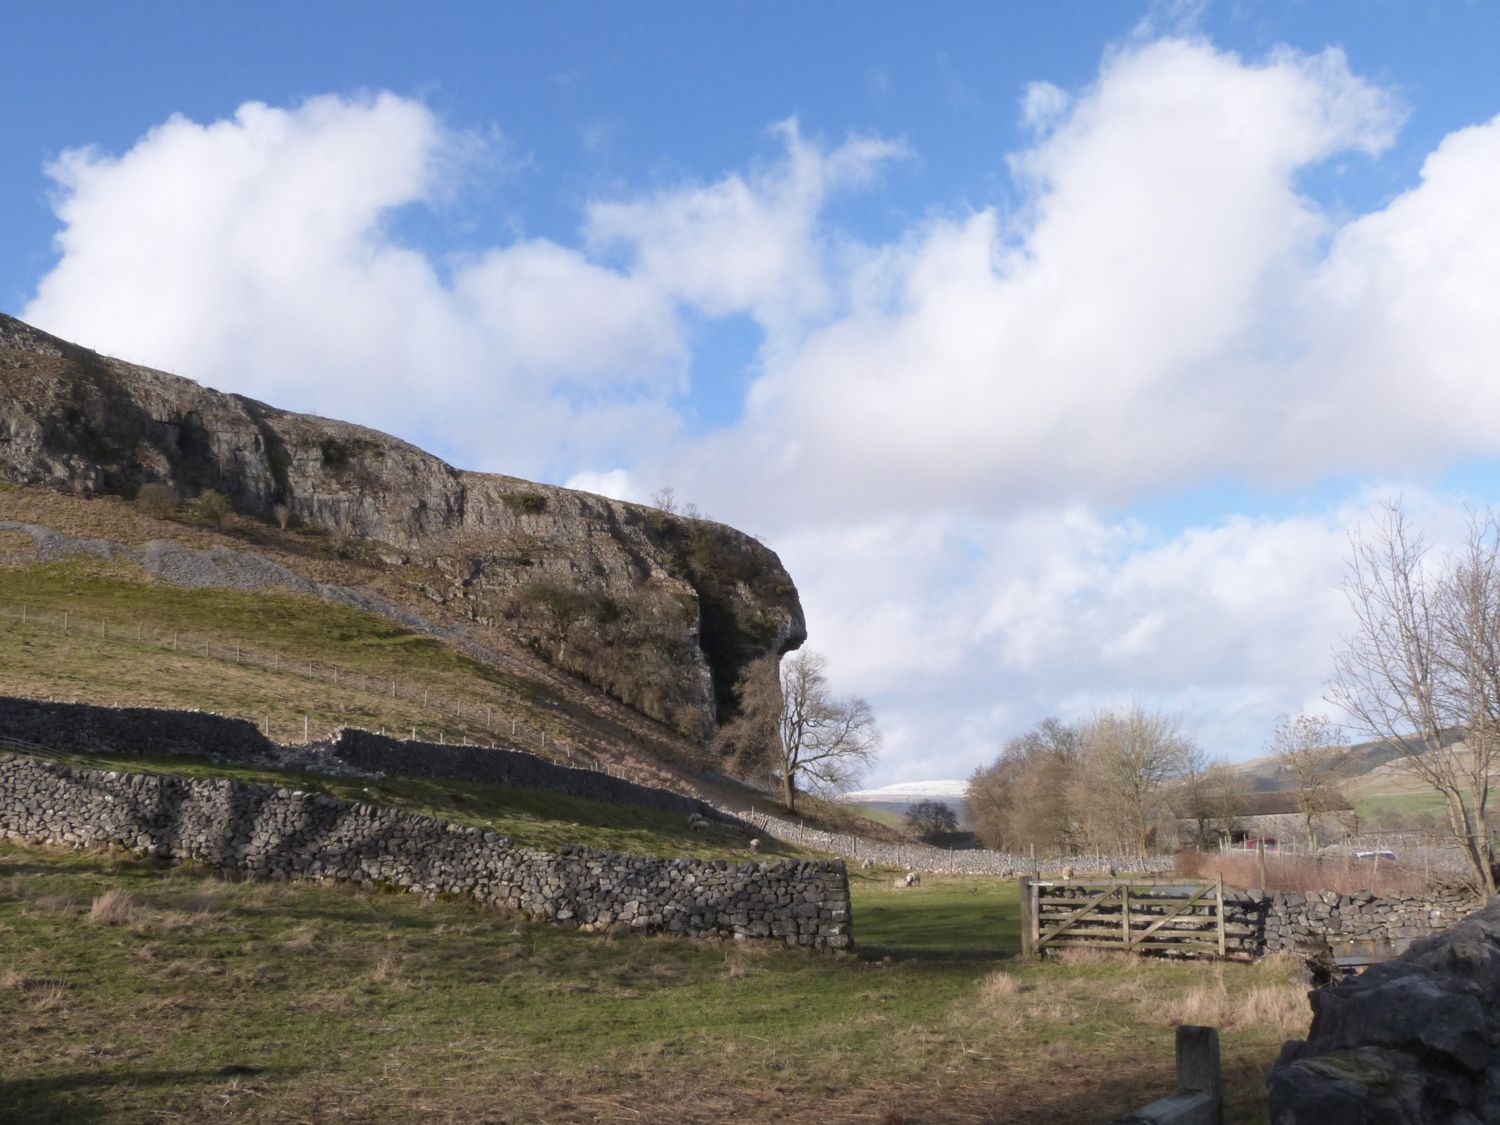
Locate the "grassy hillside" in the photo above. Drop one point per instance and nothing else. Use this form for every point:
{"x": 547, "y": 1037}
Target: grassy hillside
{"x": 254, "y": 655}
{"x": 105, "y": 631}
{"x": 135, "y": 993}
{"x": 531, "y": 818}
{"x": 133, "y": 638}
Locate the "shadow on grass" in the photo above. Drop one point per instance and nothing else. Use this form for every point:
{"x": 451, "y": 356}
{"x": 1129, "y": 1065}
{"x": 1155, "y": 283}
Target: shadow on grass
{"x": 85, "y": 1095}
{"x": 937, "y": 931}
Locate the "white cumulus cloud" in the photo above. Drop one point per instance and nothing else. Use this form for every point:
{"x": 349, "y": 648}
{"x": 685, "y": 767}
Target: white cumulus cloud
{"x": 947, "y": 433}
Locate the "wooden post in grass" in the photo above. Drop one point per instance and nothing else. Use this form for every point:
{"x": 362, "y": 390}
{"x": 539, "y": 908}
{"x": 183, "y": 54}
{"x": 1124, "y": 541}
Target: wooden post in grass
{"x": 1260, "y": 859}
{"x": 1223, "y": 932}
{"x": 1200, "y": 1096}
{"x": 1028, "y": 942}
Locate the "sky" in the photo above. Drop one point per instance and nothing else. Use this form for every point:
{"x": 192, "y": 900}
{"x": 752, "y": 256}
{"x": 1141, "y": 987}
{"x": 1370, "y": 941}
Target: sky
{"x": 1058, "y": 349}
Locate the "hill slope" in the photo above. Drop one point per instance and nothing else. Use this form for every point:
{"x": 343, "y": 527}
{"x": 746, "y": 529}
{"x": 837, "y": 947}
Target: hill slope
{"x": 658, "y": 611}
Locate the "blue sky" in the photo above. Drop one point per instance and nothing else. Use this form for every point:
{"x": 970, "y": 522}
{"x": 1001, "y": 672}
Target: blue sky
{"x": 1057, "y": 348}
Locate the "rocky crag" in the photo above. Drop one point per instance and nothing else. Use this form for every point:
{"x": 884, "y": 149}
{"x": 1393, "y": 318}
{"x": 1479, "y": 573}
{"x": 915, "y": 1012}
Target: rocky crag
{"x": 1413, "y": 1041}
{"x": 659, "y": 611}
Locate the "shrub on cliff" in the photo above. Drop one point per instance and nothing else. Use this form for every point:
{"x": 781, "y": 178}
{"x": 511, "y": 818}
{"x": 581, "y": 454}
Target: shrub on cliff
{"x": 212, "y": 507}
{"x": 156, "y": 499}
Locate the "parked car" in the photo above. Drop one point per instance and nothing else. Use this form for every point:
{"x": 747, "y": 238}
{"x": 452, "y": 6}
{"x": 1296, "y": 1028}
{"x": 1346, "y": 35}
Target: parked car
{"x": 1381, "y": 853}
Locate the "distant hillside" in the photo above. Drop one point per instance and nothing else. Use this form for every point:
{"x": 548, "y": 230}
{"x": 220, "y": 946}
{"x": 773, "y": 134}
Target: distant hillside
{"x": 891, "y": 803}
{"x": 656, "y": 611}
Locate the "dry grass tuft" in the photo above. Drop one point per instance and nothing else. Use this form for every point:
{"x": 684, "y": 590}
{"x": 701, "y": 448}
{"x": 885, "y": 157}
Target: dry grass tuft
{"x": 999, "y": 986}
{"x": 13, "y": 887}
{"x": 303, "y": 938}
{"x": 54, "y": 904}
{"x": 114, "y": 906}
{"x": 206, "y": 899}
{"x": 388, "y": 971}
{"x": 1282, "y": 1007}
{"x": 741, "y": 959}
{"x": 50, "y": 1000}
{"x": 13, "y": 980}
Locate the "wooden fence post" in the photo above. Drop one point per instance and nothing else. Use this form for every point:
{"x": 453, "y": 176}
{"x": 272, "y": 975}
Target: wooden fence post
{"x": 1028, "y": 920}
{"x": 1223, "y": 930}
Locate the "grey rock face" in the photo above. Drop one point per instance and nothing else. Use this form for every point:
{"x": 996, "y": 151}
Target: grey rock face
{"x": 660, "y": 611}
{"x": 1414, "y": 1041}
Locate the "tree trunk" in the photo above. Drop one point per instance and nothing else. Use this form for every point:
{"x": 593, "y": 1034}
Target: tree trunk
{"x": 788, "y": 791}
{"x": 1475, "y": 851}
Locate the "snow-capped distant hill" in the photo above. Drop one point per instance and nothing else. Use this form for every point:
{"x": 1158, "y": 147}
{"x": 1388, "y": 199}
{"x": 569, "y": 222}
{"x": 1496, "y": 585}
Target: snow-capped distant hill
{"x": 911, "y": 791}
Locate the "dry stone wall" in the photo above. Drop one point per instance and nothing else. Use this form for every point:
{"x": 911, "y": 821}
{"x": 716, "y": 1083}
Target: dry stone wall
{"x": 1261, "y": 923}
{"x": 116, "y": 731}
{"x": 87, "y": 729}
{"x": 380, "y": 754}
{"x": 1294, "y": 920}
{"x": 276, "y": 833}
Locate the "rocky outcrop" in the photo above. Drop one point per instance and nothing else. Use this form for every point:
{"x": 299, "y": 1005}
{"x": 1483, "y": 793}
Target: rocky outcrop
{"x": 1414, "y": 1041}
{"x": 660, "y": 611}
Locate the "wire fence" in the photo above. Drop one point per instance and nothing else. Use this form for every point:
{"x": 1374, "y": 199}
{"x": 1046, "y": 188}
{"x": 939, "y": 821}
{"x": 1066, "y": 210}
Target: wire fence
{"x": 960, "y": 861}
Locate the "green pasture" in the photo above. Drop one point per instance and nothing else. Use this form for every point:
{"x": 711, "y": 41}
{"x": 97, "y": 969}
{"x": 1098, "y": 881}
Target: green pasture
{"x": 134, "y": 992}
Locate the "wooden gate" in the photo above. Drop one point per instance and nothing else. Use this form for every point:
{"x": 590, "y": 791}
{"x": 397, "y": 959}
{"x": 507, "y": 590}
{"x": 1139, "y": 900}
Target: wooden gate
{"x": 1162, "y": 916}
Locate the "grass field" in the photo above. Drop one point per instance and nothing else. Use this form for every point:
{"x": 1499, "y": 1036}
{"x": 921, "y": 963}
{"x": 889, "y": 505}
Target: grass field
{"x": 134, "y": 992}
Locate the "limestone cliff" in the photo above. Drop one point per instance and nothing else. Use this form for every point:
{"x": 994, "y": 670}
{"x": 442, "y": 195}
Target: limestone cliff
{"x": 660, "y": 611}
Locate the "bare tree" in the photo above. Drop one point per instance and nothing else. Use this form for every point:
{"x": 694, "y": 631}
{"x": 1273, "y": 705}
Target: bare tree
{"x": 822, "y": 742}
{"x": 665, "y": 499}
{"x": 1021, "y": 800}
{"x": 1212, "y": 793}
{"x": 1120, "y": 793}
{"x": 1423, "y": 666}
{"x": 1310, "y": 748}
